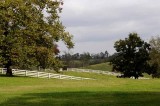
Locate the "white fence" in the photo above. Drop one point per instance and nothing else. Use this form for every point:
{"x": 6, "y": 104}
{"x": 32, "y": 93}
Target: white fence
{"x": 94, "y": 71}
{"x": 37, "y": 74}
{"x": 100, "y": 72}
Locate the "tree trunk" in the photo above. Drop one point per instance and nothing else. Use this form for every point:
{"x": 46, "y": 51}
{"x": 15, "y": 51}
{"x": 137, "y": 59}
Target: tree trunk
{"x": 9, "y": 70}
{"x": 136, "y": 76}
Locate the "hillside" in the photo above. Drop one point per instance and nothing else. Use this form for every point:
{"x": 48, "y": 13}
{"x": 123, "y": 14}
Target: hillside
{"x": 102, "y": 66}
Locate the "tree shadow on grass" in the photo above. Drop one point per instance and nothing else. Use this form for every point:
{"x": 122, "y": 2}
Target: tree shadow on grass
{"x": 4, "y": 75}
{"x": 86, "y": 99}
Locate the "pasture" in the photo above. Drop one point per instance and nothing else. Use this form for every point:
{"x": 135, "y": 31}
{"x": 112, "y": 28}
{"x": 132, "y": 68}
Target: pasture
{"x": 102, "y": 66}
{"x": 105, "y": 91}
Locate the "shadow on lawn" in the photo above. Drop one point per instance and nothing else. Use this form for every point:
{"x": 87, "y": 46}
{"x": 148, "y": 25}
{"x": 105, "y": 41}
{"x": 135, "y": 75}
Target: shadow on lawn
{"x": 4, "y": 75}
{"x": 86, "y": 99}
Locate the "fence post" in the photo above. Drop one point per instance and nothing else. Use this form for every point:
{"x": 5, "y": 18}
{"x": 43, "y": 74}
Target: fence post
{"x": 13, "y": 71}
{"x": 2, "y": 70}
{"x": 49, "y": 75}
{"x": 26, "y": 73}
{"x": 71, "y": 77}
{"x": 37, "y": 74}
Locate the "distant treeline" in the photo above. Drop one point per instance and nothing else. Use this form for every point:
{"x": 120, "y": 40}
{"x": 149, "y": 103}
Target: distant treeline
{"x": 83, "y": 59}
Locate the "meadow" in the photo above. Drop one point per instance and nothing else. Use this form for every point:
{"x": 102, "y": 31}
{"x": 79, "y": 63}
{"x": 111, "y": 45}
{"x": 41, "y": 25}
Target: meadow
{"x": 104, "y": 91}
{"x": 102, "y": 67}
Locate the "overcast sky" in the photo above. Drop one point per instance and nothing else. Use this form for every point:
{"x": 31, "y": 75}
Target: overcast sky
{"x": 97, "y": 24}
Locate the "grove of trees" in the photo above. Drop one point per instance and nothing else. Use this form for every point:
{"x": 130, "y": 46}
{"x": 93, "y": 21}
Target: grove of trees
{"x": 83, "y": 59}
{"x": 29, "y": 30}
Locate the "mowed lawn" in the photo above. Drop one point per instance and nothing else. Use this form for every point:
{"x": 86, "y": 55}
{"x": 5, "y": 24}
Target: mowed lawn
{"x": 104, "y": 91}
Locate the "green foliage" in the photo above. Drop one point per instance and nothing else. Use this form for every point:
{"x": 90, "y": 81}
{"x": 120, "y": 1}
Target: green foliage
{"x": 132, "y": 56}
{"x": 155, "y": 55}
{"x": 84, "y": 59}
{"x": 29, "y": 30}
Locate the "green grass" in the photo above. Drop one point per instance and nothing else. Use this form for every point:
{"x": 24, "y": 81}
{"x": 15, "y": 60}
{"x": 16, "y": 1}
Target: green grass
{"x": 107, "y": 67}
{"x": 105, "y": 91}
{"x": 102, "y": 66}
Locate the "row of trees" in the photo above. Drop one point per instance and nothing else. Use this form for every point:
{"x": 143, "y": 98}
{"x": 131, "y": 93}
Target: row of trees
{"x": 83, "y": 59}
{"x": 29, "y": 30}
{"x": 134, "y": 56}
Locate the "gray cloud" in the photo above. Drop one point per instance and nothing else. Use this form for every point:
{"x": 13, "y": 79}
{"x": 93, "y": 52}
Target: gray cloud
{"x": 98, "y": 23}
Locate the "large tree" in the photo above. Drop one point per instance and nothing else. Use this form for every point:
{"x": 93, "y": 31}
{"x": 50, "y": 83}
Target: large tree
{"x": 155, "y": 55}
{"x": 29, "y": 30}
{"x": 132, "y": 56}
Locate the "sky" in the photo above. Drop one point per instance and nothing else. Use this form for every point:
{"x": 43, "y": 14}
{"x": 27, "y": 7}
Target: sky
{"x": 97, "y": 24}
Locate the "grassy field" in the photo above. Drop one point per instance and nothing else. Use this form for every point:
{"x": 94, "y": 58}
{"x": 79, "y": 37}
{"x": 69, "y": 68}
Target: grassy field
{"x": 105, "y": 91}
{"x": 102, "y": 66}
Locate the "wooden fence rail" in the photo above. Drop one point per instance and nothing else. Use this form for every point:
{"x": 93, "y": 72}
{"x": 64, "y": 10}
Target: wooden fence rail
{"x": 100, "y": 72}
{"x": 37, "y": 74}
{"x": 94, "y": 71}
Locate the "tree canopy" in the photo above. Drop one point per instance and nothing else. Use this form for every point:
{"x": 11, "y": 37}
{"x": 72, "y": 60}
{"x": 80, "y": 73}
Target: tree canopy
{"x": 29, "y": 30}
{"x": 155, "y": 55}
{"x": 132, "y": 56}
